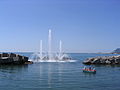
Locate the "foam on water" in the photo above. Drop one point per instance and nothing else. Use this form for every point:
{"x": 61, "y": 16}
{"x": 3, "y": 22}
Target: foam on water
{"x": 52, "y": 60}
{"x": 35, "y": 57}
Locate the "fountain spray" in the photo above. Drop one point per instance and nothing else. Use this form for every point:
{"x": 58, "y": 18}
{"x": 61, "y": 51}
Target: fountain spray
{"x": 41, "y": 50}
{"x": 49, "y": 45}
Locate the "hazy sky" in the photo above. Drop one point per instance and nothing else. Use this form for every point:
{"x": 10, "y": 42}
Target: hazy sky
{"x": 82, "y": 25}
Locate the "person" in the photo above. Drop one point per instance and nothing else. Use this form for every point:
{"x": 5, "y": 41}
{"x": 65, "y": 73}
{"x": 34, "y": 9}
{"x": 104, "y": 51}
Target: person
{"x": 93, "y": 68}
{"x": 84, "y": 68}
{"x": 90, "y": 68}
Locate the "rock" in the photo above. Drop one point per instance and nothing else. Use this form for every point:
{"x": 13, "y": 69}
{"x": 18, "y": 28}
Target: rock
{"x": 86, "y": 62}
{"x": 12, "y": 55}
{"x": 95, "y": 61}
{"x": 117, "y": 61}
{"x": 5, "y": 55}
{"x": 29, "y": 62}
{"x": 103, "y": 60}
{"x": 107, "y": 62}
{"x": 6, "y": 58}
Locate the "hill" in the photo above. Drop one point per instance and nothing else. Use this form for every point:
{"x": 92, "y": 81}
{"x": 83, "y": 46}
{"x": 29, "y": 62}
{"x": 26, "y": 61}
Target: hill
{"x": 117, "y": 51}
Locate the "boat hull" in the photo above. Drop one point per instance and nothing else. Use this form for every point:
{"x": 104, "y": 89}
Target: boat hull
{"x": 86, "y": 71}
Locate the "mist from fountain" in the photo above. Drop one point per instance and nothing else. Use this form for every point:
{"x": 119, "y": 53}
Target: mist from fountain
{"x": 50, "y": 56}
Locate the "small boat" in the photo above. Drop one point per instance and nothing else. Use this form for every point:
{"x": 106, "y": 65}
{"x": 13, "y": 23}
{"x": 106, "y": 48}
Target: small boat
{"x": 89, "y": 70}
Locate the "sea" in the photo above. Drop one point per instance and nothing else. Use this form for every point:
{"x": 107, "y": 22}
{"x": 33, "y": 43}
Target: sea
{"x": 60, "y": 75}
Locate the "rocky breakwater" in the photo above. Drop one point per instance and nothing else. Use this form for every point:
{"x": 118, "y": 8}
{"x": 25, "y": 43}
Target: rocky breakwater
{"x": 103, "y": 60}
{"x": 11, "y": 58}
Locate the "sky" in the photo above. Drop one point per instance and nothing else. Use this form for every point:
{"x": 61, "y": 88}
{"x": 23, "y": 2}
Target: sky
{"x": 84, "y": 26}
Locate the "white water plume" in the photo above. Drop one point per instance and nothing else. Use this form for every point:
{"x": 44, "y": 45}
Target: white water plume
{"x": 50, "y": 56}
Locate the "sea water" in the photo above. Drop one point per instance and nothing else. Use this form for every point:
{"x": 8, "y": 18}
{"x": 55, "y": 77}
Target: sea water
{"x": 59, "y": 75}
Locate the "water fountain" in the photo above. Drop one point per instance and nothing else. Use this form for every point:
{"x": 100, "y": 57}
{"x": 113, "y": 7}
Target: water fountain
{"x": 49, "y": 46}
{"x": 41, "y": 50}
{"x": 50, "y": 56}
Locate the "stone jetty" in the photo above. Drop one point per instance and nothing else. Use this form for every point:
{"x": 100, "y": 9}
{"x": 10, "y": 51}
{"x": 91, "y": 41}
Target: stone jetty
{"x": 103, "y": 60}
{"x": 11, "y": 58}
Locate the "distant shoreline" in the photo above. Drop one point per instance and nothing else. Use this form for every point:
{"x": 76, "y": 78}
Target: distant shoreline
{"x": 64, "y": 52}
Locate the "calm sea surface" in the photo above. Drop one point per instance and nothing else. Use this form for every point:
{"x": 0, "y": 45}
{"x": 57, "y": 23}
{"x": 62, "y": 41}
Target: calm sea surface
{"x": 59, "y": 76}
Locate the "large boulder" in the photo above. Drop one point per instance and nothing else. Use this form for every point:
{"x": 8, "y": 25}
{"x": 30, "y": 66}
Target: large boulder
{"x": 95, "y": 61}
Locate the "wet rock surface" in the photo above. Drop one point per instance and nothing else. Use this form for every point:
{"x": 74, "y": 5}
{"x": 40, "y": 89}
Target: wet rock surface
{"x": 103, "y": 60}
